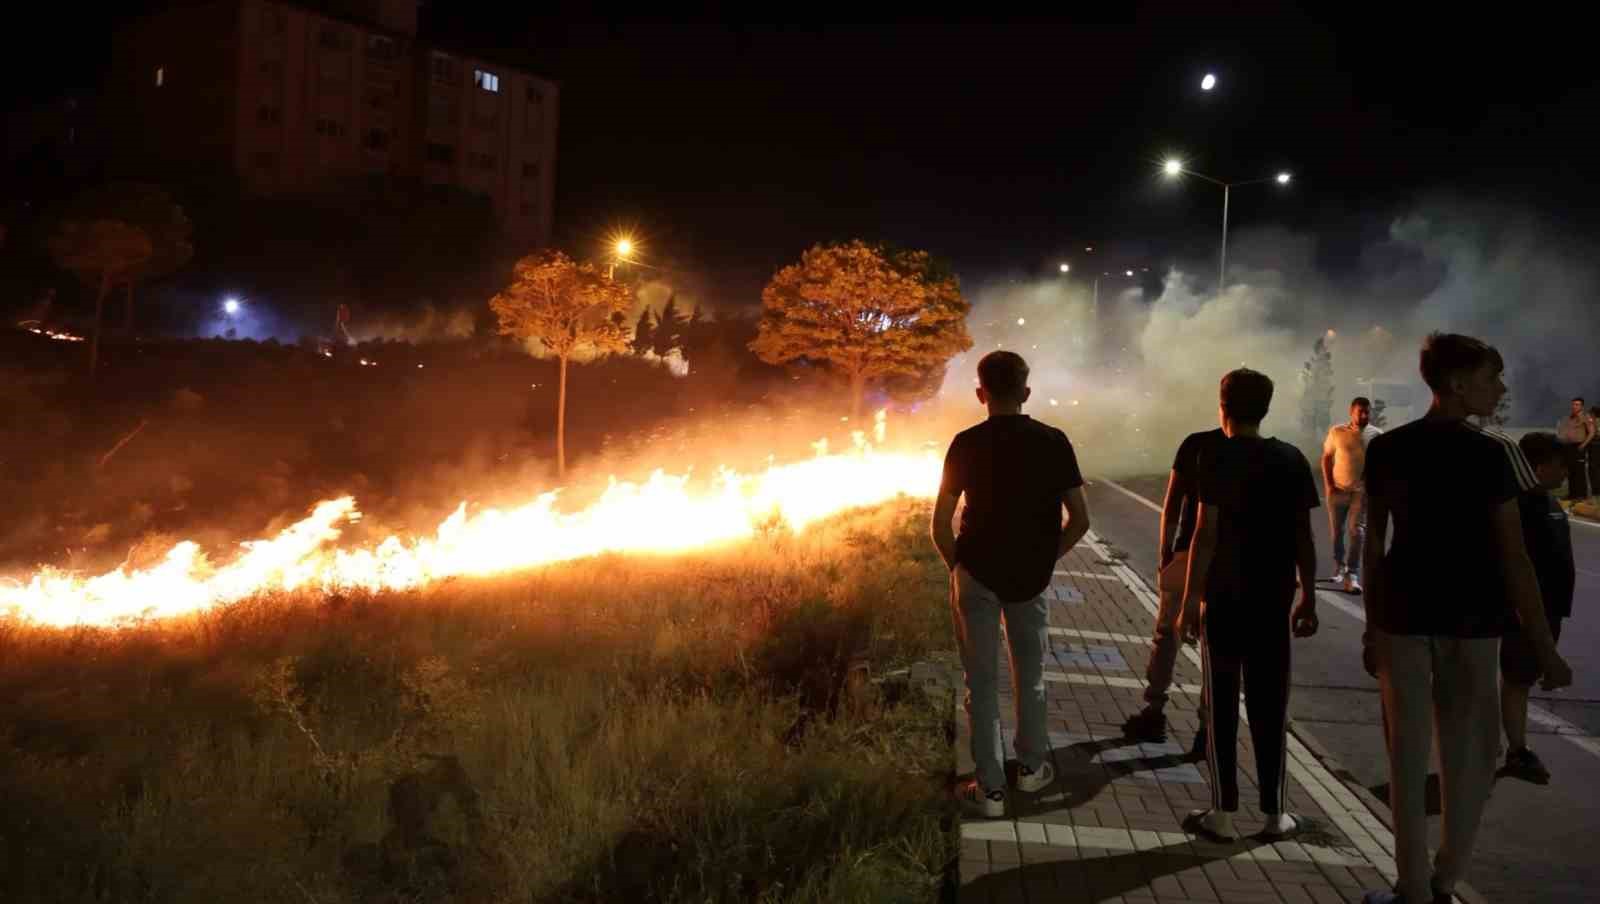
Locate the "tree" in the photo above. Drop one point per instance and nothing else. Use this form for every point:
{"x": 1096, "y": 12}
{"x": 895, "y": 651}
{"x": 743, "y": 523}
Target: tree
{"x": 100, "y": 253}
{"x": 1316, "y": 385}
{"x": 570, "y": 308}
{"x": 867, "y": 312}
{"x": 1379, "y": 418}
{"x": 153, "y": 211}
{"x": 669, "y": 328}
{"x": 644, "y": 332}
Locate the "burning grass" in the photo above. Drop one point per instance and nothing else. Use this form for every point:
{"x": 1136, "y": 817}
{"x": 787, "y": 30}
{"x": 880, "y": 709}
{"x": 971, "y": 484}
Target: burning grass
{"x": 608, "y": 729}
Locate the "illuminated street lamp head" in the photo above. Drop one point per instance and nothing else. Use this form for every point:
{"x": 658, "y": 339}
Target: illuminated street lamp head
{"x": 231, "y": 305}
{"x": 1209, "y": 82}
{"x": 1173, "y": 167}
{"x": 1283, "y": 178}
{"x": 1066, "y": 268}
{"x": 1128, "y": 272}
{"x": 624, "y": 247}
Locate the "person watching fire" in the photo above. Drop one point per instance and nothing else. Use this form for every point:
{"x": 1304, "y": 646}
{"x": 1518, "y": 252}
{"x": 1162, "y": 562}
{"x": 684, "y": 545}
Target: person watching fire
{"x": 1015, "y": 475}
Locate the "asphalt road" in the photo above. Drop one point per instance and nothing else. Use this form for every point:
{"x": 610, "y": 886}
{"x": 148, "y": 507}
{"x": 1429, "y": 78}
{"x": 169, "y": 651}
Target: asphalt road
{"x": 1536, "y": 843}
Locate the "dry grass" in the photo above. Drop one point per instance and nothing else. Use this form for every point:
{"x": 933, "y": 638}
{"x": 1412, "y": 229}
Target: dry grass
{"x": 609, "y": 730}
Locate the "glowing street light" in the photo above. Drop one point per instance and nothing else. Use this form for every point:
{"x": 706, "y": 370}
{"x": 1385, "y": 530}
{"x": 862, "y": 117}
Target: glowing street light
{"x": 624, "y": 247}
{"x": 1174, "y": 168}
{"x": 1209, "y": 82}
{"x": 620, "y": 249}
{"x": 1066, "y": 268}
{"x": 230, "y": 306}
{"x": 1127, "y": 273}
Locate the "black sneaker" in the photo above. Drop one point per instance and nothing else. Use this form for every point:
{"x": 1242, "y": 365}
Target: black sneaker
{"x": 1148, "y": 724}
{"x": 1198, "y": 750}
{"x": 1525, "y": 764}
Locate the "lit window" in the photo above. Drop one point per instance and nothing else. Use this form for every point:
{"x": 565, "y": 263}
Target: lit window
{"x": 488, "y": 81}
{"x": 161, "y": 76}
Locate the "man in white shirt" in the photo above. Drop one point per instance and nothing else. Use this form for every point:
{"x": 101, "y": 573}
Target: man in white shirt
{"x": 1344, "y": 459}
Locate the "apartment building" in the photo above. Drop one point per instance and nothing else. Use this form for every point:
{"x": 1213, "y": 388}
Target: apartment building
{"x": 295, "y": 98}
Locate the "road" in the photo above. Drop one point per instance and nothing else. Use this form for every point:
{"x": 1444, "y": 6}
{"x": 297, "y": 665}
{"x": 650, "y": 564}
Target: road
{"x": 1536, "y": 842}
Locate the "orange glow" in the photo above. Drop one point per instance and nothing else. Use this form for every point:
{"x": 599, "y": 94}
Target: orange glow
{"x": 663, "y": 514}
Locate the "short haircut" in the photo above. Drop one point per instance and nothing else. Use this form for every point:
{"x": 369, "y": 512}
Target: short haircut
{"x": 1361, "y": 400}
{"x": 1246, "y": 395}
{"x": 1540, "y": 448}
{"x": 1446, "y": 355}
{"x": 1578, "y": 399}
{"x": 1004, "y": 375}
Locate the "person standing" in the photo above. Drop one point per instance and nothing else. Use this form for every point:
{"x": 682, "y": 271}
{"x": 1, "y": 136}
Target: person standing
{"x": 1179, "y": 514}
{"x": 1015, "y": 474}
{"x": 1548, "y": 536}
{"x": 1576, "y": 432}
{"x": 1433, "y": 627}
{"x": 1344, "y": 456}
{"x": 1252, "y": 539}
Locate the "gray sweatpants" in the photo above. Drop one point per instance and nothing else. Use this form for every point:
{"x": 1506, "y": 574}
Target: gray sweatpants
{"x": 1451, "y": 683}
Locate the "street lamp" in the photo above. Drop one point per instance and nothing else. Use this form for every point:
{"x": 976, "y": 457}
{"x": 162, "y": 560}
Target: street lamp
{"x": 620, "y": 249}
{"x": 1174, "y": 168}
{"x": 1066, "y": 268}
{"x": 230, "y": 306}
{"x": 1209, "y": 82}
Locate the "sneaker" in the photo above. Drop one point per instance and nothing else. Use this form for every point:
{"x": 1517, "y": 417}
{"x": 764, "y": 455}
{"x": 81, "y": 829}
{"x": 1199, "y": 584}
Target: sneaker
{"x": 1525, "y": 764}
{"x": 1351, "y": 585}
{"x": 978, "y": 802}
{"x": 1198, "y": 750}
{"x": 1216, "y": 825}
{"x": 1148, "y": 724}
{"x": 1280, "y": 825}
{"x": 1032, "y": 781}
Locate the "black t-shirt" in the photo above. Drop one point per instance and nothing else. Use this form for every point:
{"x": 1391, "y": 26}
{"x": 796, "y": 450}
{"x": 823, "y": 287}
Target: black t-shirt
{"x": 1262, "y": 488}
{"x": 1013, "y": 471}
{"x": 1186, "y": 470}
{"x": 1548, "y": 535}
{"x": 1442, "y": 480}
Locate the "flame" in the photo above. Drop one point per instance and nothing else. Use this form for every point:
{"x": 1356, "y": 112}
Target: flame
{"x": 664, "y": 514}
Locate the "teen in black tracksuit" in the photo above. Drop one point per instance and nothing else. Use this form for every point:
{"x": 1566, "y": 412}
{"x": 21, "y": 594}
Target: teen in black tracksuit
{"x": 1256, "y": 496}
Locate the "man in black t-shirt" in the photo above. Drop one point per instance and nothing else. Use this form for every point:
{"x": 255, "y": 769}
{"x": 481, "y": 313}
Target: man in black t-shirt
{"x": 1015, "y": 474}
{"x": 1548, "y": 536}
{"x": 1434, "y": 626}
{"x": 1252, "y": 538}
{"x": 1178, "y": 513}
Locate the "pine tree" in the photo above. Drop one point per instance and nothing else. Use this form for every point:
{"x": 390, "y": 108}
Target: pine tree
{"x": 1316, "y": 384}
{"x": 644, "y": 332}
{"x": 670, "y": 328}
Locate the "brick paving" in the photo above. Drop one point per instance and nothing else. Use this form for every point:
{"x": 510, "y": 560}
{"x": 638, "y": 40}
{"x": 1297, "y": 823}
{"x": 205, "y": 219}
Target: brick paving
{"x": 1111, "y": 827}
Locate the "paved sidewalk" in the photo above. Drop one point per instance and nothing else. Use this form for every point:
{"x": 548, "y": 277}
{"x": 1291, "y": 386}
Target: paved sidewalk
{"x": 1110, "y": 829}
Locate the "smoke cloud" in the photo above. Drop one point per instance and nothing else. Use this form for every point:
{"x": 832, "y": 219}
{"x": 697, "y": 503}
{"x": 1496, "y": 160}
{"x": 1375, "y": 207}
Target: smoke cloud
{"x": 1130, "y": 373}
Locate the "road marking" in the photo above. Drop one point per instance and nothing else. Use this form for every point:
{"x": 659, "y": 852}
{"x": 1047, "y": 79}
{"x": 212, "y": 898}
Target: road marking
{"x": 1090, "y": 574}
{"x": 1098, "y": 635}
{"x": 1537, "y": 714}
{"x": 1097, "y": 680}
{"x": 1131, "y": 495}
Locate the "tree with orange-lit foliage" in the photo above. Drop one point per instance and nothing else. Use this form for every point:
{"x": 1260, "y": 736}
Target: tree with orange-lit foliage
{"x": 868, "y": 312}
{"x": 101, "y": 252}
{"x": 571, "y": 309}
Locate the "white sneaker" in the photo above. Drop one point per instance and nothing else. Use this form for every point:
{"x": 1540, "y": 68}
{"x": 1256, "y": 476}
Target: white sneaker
{"x": 1031, "y": 781}
{"x": 1280, "y": 825}
{"x": 978, "y": 802}
{"x": 1215, "y": 823}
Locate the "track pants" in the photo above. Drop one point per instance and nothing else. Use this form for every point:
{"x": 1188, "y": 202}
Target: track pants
{"x": 1449, "y": 685}
{"x": 1256, "y": 657}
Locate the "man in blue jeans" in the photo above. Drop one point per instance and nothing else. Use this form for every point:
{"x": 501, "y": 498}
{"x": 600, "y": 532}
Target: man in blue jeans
{"x": 1015, "y": 474}
{"x": 1344, "y": 456}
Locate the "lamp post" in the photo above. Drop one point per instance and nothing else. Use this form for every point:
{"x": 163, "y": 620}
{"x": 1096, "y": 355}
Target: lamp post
{"x": 620, "y": 251}
{"x": 1174, "y": 168}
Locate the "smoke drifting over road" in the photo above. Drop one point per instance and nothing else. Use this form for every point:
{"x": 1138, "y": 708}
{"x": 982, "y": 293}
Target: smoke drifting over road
{"x": 1131, "y": 375}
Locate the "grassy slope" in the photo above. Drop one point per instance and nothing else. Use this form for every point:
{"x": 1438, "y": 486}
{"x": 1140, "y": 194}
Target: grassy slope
{"x": 613, "y": 729}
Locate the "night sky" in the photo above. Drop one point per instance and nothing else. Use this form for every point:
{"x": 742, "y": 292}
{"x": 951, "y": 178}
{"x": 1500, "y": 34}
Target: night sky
{"x": 730, "y": 148}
